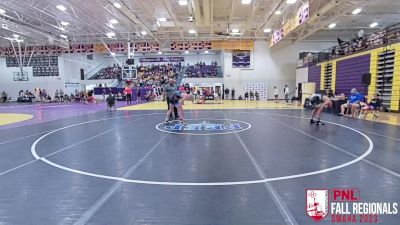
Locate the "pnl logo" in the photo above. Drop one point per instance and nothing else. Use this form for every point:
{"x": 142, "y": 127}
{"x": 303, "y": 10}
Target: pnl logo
{"x": 317, "y": 204}
{"x": 204, "y": 126}
{"x": 346, "y": 206}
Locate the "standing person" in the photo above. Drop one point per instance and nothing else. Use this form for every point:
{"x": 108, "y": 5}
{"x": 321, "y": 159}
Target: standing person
{"x": 104, "y": 95}
{"x": 319, "y": 102}
{"x": 138, "y": 95}
{"x": 276, "y": 94}
{"x": 286, "y": 92}
{"x": 233, "y": 93}
{"x": 128, "y": 93}
{"x": 169, "y": 92}
{"x": 61, "y": 95}
{"x": 180, "y": 98}
{"x": 246, "y": 95}
{"x": 226, "y": 93}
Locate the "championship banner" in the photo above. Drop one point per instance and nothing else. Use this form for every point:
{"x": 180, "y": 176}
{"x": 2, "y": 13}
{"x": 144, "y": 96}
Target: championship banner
{"x": 303, "y": 13}
{"x": 233, "y": 45}
{"x": 100, "y": 48}
{"x": 161, "y": 59}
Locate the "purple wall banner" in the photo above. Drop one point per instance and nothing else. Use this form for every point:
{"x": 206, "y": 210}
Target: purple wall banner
{"x": 161, "y": 59}
{"x": 349, "y": 73}
{"x": 314, "y": 75}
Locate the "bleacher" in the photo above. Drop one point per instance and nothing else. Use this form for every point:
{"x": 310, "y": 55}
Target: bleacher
{"x": 201, "y": 70}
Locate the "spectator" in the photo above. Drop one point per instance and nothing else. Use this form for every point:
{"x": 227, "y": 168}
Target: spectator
{"x": 286, "y": 92}
{"x": 4, "y": 97}
{"x": 246, "y": 95}
{"x": 353, "y": 103}
{"x": 233, "y": 93}
{"x": 276, "y": 94}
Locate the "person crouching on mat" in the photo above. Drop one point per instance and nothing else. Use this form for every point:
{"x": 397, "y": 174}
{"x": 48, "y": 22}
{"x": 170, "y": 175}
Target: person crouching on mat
{"x": 319, "y": 102}
{"x": 111, "y": 101}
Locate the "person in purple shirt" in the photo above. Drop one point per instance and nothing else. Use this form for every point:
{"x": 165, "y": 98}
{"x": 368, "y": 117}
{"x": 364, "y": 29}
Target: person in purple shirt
{"x": 353, "y": 103}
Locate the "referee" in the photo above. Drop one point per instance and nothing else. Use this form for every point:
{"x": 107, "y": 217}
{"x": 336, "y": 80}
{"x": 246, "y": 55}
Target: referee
{"x": 169, "y": 92}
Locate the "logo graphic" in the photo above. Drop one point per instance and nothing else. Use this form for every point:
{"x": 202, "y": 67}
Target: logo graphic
{"x": 204, "y": 126}
{"x": 317, "y": 205}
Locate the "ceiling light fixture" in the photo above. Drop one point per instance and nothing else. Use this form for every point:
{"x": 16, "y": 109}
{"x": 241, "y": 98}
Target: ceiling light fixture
{"x": 206, "y": 52}
{"x": 63, "y": 36}
{"x": 267, "y": 30}
{"x": 64, "y": 23}
{"x": 183, "y": 2}
{"x": 110, "y": 34}
{"x": 186, "y": 52}
{"x": 162, "y": 19}
{"x": 356, "y": 11}
{"x": 143, "y": 33}
{"x": 192, "y": 31}
{"x": 113, "y": 21}
{"x": 332, "y": 25}
{"x": 110, "y": 25}
{"x": 246, "y": 2}
{"x": 117, "y": 5}
{"x": 15, "y": 35}
{"x": 2, "y": 11}
{"x": 374, "y": 24}
{"x": 61, "y": 7}
{"x": 113, "y": 53}
{"x": 159, "y": 53}
{"x": 291, "y": 1}
{"x": 278, "y": 12}
{"x": 235, "y": 30}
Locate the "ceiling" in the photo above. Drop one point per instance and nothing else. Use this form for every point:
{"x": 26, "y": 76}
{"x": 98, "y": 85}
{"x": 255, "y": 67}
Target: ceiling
{"x": 39, "y": 21}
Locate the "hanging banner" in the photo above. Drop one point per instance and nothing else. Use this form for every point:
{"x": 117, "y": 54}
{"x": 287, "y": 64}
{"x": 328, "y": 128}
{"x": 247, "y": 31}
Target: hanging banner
{"x": 161, "y": 59}
{"x": 233, "y": 45}
{"x": 292, "y": 23}
{"x": 100, "y": 48}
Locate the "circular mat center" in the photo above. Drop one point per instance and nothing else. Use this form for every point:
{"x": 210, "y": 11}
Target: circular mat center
{"x": 204, "y": 126}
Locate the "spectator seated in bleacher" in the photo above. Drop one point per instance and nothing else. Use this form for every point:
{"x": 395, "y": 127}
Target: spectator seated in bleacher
{"x": 202, "y": 70}
{"x": 374, "y": 105}
{"x": 26, "y": 96}
{"x": 353, "y": 104}
{"x": 4, "y": 96}
{"x": 111, "y": 72}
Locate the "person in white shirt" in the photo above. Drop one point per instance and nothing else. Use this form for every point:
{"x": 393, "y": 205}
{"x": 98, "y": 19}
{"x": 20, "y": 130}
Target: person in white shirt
{"x": 276, "y": 94}
{"x": 286, "y": 92}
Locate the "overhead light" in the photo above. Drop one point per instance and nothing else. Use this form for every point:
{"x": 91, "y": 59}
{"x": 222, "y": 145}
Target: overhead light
{"x": 61, "y": 7}
{"x": 162, "y": 19}
{"x": 356, "y": 11}
{"x": 159, "y": 53}
{"x": 374, "y": 24}
{"x": 16, "y": 35}
{"x": 246, "y": 2}
{"x": 206, "y": 52}
{"x": 113, "y": 53}
{"x": 186, "y": 52}
{"x": 2, "y": 11}
{"x": 192, "y": 31}
{"x": 291, "y": 1}
{"x": 62, "y": 28}
{"x": 63, "y": 36}
{"x": 183, "y": 2}
{"x": 267, "y": 30}
{"x": 332, "y": 25}
{"x": 113, "y": 21}
{"x": 143, "y": 33}
{"x": 64, "y": 23}
{"x": 235, "y": 30}
{"x": 278, "y": 12}
{"x": 110, "y": 25}
{"x": 19, "y": 40}
{"x": 117, "y": 5}
{"x": 110, "y": 34}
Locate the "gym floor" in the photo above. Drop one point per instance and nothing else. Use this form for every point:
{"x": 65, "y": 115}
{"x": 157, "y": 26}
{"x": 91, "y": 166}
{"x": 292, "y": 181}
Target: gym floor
{"x": 126, "y": 167}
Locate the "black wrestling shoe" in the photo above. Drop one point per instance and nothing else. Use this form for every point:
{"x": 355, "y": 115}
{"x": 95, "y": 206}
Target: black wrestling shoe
{"x": 312, "y": 121}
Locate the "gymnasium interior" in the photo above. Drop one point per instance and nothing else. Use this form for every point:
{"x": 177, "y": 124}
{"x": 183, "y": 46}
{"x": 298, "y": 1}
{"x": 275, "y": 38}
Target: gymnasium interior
{"x": 280, "y": 112}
